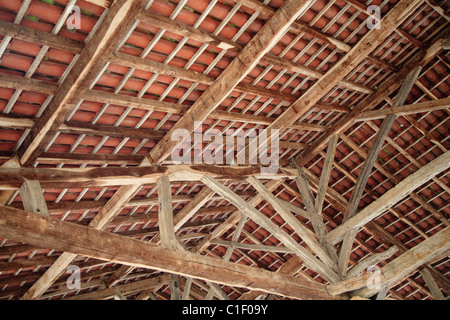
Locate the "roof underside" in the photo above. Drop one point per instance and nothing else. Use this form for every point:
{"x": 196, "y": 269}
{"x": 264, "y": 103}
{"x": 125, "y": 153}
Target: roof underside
{"x": 116, "y": 131}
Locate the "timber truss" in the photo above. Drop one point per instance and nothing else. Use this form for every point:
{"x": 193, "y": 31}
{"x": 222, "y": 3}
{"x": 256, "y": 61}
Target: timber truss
{"x": 358, "y": 206}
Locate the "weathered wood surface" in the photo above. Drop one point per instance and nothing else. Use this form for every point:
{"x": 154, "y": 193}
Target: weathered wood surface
{"x": 27, "y": 227}
{"x": 91, "y": 60}
{"x": 11, "y": 179}
{"x": 392, "y": 196}
{"x": 247, "y": 59}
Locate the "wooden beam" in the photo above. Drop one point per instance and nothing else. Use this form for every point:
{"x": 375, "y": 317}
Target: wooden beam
{"x": 357, "y": 277}
{"x": 408, "y": 109}
{"x": 187, "y": 289}
{"x": 265, "y": 223}
{"x": 266, "y": 38}
{"x": 91, "y": 60}
{"x": 307, "y": 236}
{"x": 392, "y": 196}
{"x": 177, "y": 72}
{"x": 175, "y": 288}
{"x": 23, "y": 226}
{"x": 396, "y": 270}
{"x": 377, "y": 144}
{"x": 32, "y": 198}
{"x": 372, "y": 260}
{"x": 6, "y": 195}
{"x": 251, "y": 247}
{"x": 165, "y": 213}
{"x": 431, "y": 284}
{"x": 326, "y": 173}
{"x": 370, "y": 102}
{"x": 100, "y": 221}
{"x": 358, "y": 190}
{"x": 349, "y": 284}
{"x": 43, "y": 38}
{"x": 345, "y": 65}
{"x": 309, "y": 201}
{"x": 129, "y": 288}
{"x": 12, "y": 179}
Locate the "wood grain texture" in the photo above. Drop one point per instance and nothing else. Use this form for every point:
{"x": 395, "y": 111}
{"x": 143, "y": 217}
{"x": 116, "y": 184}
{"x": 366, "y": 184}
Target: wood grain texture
{"x": 22, "y": 226}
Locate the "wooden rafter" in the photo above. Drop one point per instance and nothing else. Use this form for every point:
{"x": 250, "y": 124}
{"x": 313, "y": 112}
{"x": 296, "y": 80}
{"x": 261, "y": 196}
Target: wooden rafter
{"x": 407, "y": 263}
{"x": 345, "y": 65}
{"x": 93, "y": 57}
{"x": 392, "y": 196}
{"x": 386, "y": 89}
{"x": 266, "y": 38}
{"x": 366, "y": 170}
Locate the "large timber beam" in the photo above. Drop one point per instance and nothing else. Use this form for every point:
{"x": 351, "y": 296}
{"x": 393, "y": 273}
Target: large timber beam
{"x": 22, "y": 226}
{"x": 248, "y": 58}
{"x": 91, "y": 60}
{"x": 387, "y": 200}
{"x": 12, "y": 178}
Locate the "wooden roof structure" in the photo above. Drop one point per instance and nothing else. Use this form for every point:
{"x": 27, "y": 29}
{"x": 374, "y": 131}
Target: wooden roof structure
{"x": 87, "y": 179}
